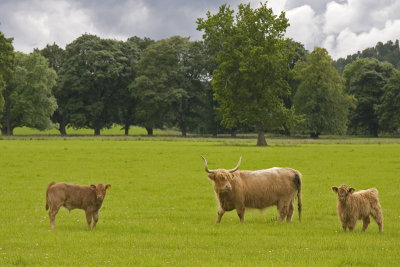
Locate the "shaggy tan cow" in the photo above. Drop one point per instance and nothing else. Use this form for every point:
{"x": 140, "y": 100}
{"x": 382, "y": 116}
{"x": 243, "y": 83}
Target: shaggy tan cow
{"x": 72, "y": 196}
{"x": 256, "y": 189}
{"x": 353, "y": 206}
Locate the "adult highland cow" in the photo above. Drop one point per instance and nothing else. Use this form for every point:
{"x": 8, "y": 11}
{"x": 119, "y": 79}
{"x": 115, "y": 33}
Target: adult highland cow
{"x": 256, "y": 189}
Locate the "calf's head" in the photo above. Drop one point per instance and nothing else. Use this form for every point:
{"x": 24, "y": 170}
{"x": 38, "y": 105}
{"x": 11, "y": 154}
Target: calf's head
{"x": 100, "y": 190}
{"x": 343, "y": 192}
{"x": 221, "y": 178}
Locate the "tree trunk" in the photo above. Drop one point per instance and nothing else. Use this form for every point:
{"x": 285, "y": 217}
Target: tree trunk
{"x": 126, "y": 128}
{"x": 233, "y": 132}
{"x": 149, "y": 131}
{"x": 183, "y": 132}
{"x": 314, "y": 135}
{"x": 97, "y": 131}
{"x": 62, "y": 127}
{"x": 261, "y": 139}
{"x": 9, "y": 130}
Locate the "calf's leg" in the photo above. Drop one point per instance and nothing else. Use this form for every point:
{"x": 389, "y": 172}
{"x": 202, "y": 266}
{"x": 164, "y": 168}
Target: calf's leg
{"x": 377, "y": 215}
{"x": 95, "y": 219}
{"x": 220, "y": 214}
{"x": 52, "y": 215}
{"x": 366, "y": 221}
{"x": 88, "y": 218}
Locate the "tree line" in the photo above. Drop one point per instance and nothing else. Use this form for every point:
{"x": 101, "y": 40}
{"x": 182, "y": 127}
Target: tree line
{"x": 244, "y": 76}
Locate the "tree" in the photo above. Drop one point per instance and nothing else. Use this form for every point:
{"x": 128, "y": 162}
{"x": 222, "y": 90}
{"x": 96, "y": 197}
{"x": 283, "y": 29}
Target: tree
{"x": 365, "y": 79}
{"x": 320, "y": 97}
{"x": 55, "y": 55}
{"x": 168, "y": 84}
{"x": 28, "y": 97}
{"x": 91, "y": 76}
{"x": 253, "y": 61}
{"x": 6, "y": 66}
{"x": 389, "y": 108}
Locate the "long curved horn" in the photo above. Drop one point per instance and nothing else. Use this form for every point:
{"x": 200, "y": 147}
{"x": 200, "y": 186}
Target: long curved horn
{"x": 206, "y": 166}
{"x": 237, "y": 166}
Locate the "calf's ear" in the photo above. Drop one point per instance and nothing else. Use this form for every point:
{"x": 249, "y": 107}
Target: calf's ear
{"x": 334, "y": 189}
{"x": 108, "y": 186}
{"x": 351, "y": 190}
{"x": 93, "y": 187}
{"x": 211, "y": 176}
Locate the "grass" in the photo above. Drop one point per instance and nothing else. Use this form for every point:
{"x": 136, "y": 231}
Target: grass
{"x": 161, "y": 210}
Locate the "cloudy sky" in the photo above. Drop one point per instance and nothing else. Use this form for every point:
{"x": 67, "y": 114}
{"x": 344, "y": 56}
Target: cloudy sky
{"x": 341, "y": 26}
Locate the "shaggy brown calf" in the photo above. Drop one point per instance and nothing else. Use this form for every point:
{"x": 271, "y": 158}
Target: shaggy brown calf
{"x": 71, "y": 196}
{"x": 256, "y": 189}
{"x": 353, "y": 206}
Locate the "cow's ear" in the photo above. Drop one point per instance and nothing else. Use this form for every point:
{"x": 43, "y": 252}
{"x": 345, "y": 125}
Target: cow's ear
{"x": 211, "y": 176}
{"x": 351, "y": 190}
{"x": 93, "y": 187}
{"x": 335, "y": 189}
{"x": 108, "y": 186}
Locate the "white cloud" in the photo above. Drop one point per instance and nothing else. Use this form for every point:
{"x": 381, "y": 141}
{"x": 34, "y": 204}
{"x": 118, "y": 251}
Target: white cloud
{"x": 304, "y": 26}
{"x": 348, "y": 42}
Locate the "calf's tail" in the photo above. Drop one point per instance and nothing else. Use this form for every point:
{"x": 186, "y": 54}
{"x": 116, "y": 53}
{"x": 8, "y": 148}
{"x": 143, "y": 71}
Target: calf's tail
{"x": 47, "y": 195}
{"x": 297, "y": 182}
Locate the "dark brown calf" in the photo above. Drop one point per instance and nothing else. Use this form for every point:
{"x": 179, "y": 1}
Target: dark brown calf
{"x": 71, "y": 196}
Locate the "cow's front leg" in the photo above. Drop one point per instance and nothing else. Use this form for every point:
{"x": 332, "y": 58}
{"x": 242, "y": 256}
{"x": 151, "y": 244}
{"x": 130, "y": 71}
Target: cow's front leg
{"x": 95, "y": 219}
{"x": 88, "y": 218}
{"x": 240, "y": 212}
{"x": 220, "y": 214}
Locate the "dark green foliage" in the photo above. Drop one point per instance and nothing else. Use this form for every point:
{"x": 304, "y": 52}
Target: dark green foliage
{"x": 320, "y": 97}
{"x": 28, "y": 97}
{"x": 389, "y": 108}
{"x": 6, "y": 66}
{"x": 170, "y": 84}
{"x": 55, "y": 55}
{"x": 365, "y": 79}
{"x": 93, "y": 72}
{"x": 389, "y": 52}
{"x": 252, "y": 63}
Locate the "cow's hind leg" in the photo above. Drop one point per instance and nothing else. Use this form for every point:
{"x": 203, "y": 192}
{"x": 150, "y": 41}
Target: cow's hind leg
{"x": 52, "y": 215}
{"x": 290, "y": 212}
{"x": 88, "y": 219}
{"x": 283, "y": 209}
{"x": 366, "y": 222}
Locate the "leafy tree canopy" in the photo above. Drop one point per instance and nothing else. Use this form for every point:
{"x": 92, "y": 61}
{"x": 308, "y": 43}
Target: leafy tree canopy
{"x": 253, "y": 60}
{"x": 320, "y": 97}
{"x": 365, "y": 79}
{"x": 28, "y": 97}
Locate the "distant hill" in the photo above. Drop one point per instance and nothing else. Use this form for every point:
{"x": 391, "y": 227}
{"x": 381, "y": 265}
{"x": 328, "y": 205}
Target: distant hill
{"x": 389, "y": 52}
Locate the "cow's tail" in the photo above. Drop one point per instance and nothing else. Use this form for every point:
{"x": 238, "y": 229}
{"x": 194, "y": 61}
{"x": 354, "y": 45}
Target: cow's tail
{"x": 297, "y": 182}
{"x": 47, "y": 195}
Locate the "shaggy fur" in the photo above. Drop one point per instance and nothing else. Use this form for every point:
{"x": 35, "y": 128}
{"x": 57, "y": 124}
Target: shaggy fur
{"x": 353, "y": 206}
{"x": 71, "y": 196}
{"x": 257, "y": 189}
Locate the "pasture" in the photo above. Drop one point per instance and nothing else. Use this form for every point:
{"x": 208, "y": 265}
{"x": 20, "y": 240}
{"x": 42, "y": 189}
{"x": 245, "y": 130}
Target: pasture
{"x": 161, "y": 209}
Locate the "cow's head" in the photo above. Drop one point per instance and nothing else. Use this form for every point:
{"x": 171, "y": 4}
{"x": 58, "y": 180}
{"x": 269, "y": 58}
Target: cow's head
{"x": 221, "y": 178}
{"x": 343, "y": 192}
{"x": 100, "y": 190}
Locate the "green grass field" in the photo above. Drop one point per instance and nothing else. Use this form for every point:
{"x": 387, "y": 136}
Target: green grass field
{"x": 161, "y": 208}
